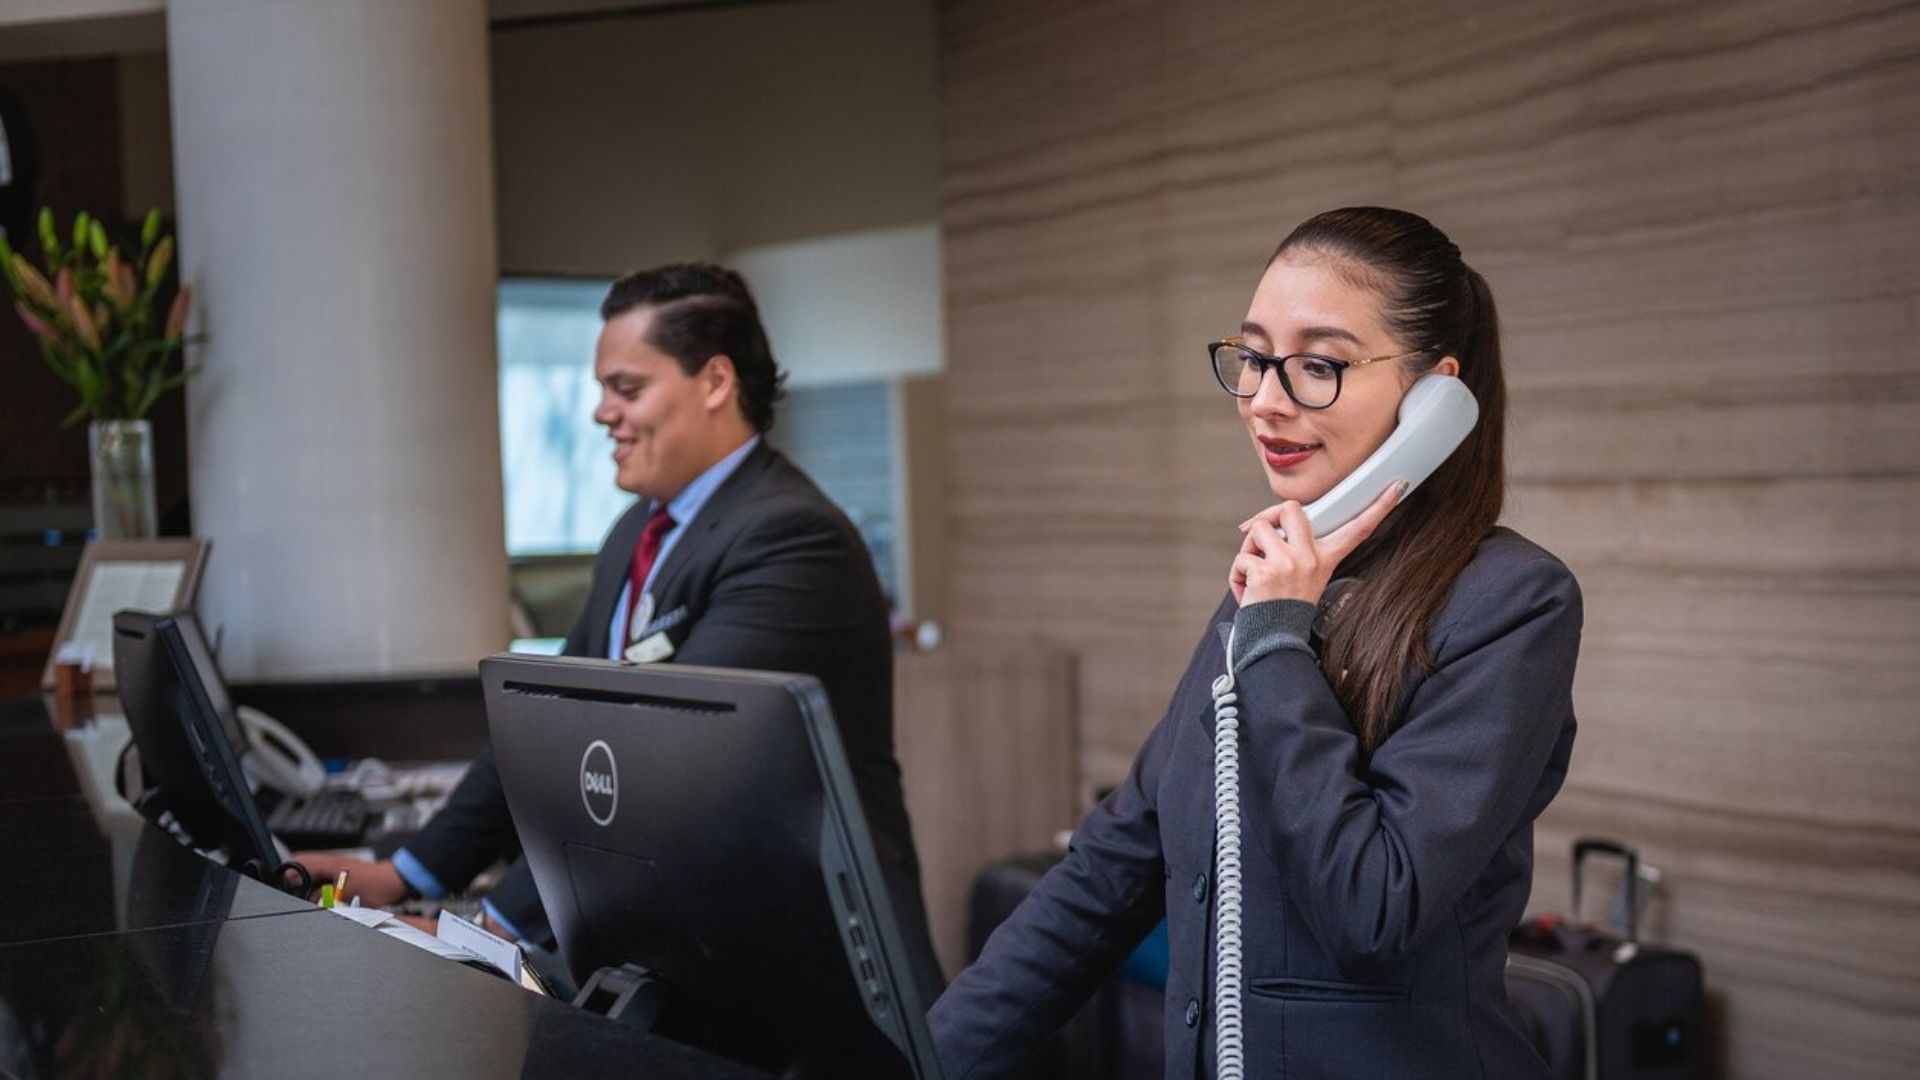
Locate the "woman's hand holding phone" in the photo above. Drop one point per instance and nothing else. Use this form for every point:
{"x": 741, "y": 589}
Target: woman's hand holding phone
{"x": 1281, "y": 559}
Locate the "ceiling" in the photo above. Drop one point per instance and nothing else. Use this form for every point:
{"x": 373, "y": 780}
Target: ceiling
{"x": 51, "y": 29}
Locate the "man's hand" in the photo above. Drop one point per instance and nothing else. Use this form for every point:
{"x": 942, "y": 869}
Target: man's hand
{"x": 377, "y": 884}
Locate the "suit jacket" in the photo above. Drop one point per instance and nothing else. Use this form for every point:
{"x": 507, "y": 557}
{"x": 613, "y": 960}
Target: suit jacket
{"x": 770, "y": 576}
{"x": 1378, "y": 890}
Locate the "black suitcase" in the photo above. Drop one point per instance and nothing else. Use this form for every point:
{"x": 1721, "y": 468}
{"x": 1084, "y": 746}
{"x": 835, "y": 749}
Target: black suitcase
{"x": 1602, "y": 1005}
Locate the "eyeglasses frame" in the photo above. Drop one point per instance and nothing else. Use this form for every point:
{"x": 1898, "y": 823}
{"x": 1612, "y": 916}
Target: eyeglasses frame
{"x": 1277, "y": 364}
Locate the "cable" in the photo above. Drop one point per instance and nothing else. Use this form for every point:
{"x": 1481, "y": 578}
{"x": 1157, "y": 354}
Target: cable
{"x": 1230, "y": 1057}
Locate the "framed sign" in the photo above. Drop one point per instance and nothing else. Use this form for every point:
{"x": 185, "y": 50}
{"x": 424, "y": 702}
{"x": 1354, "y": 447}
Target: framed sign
{"x": 145, "y": 575}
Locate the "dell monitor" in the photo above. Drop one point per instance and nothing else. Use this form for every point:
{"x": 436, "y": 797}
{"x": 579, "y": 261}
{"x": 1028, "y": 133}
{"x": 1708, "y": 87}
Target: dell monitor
{"x": 700, "y": 827}
{"x": 189, "y": 741}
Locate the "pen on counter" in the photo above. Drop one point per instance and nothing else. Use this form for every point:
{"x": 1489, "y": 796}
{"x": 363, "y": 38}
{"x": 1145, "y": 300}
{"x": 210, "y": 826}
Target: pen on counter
{"x": 340, "y": 886}
{"x": 326, "y": 896}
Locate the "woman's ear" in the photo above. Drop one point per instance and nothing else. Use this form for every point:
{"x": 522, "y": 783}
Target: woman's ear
{"x": 1448, "y": 366}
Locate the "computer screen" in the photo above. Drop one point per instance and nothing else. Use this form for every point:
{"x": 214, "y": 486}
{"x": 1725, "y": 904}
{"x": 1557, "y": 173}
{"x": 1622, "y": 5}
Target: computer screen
{"x": 190, "y": 742}
{"x": 703, "y": 824}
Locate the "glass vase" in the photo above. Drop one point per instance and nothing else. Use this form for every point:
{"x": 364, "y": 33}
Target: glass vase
{"x": 122, "y": 458}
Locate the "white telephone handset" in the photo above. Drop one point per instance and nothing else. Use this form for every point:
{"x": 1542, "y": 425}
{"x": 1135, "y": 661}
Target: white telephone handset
{"x": 277, "y": 758}
{"x": 1436, "y": 415}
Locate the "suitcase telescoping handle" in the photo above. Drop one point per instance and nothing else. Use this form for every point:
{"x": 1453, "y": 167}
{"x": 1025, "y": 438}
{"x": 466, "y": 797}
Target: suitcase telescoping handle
{"x": 1586, "y": 846}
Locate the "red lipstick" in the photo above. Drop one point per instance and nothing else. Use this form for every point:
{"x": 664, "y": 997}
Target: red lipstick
{"x": 1283, "y": 453}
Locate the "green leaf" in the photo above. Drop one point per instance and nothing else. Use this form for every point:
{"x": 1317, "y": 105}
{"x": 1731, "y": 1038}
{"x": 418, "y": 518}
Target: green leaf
{"x": 80, "y": 222}
{"x": 158, "y": 386}
{"x": 97, "y": 236}
{"x": 87, "y": 381}
{"x": 150, "y": 228}
{"x": 49, "y": 243}
{"x": 59, "y": 365}
{"x": 157, "y": 266}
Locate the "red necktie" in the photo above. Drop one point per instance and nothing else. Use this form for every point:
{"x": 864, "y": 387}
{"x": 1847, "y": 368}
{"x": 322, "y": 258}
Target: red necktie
{"x": 658, "y": 525}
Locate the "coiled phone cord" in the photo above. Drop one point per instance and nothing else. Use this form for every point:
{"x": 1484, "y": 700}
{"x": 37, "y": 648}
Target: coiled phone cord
{"x": 1230, "y": 1057}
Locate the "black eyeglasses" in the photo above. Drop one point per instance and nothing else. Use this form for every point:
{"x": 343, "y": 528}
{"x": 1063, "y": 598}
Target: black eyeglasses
{"x": 1310, "y": 379}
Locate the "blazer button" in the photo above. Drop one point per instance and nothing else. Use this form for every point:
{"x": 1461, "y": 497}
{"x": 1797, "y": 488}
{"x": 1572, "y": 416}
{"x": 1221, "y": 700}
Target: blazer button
{"x": 1200, "y": 887}
{"x": 1193, "y": 1011}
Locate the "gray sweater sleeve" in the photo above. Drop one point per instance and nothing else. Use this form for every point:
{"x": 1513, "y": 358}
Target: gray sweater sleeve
{"x": 1270, "y": 626}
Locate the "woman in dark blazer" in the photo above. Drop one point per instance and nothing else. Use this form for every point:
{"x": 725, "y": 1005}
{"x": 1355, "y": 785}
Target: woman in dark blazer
{"x": 1404, "y": 696}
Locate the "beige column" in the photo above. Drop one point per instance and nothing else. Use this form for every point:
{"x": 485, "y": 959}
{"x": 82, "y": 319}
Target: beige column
{"x": 334, "y": 171}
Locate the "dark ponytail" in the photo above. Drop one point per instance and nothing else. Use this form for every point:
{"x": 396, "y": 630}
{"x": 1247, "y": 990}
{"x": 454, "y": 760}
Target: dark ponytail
{"x": 1437, "y": 304}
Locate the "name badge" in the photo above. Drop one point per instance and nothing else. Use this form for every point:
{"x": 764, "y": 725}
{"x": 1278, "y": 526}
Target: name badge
{"x": 642, "y": 615}
{"x": 650, "y": 650}
{"x": 665, "y": 622}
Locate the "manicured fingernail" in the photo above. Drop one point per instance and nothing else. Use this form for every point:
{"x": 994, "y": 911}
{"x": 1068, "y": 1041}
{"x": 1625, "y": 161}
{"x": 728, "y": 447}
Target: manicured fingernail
{"x": 1400, "y": 489}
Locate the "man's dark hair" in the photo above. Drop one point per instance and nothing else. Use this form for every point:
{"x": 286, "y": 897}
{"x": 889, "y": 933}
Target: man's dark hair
{"x": 701, "y": 310}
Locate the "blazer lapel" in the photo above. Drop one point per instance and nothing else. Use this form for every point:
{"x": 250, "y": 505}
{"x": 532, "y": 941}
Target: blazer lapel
{"x": 667, "y": 582}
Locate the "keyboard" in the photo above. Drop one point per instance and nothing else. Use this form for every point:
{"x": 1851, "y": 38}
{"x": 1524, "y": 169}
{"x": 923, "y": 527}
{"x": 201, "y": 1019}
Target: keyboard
{"x": 330, "y": 819}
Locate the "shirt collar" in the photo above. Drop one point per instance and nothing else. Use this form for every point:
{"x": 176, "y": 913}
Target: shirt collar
{"x": 685, "y": 506}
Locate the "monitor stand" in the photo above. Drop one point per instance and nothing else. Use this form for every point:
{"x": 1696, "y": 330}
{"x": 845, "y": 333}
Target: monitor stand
{"x": 629, "y": 995}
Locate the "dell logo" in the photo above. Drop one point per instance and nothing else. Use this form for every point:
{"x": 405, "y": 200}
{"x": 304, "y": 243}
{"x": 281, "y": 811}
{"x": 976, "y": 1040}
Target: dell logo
{"x": 599, "y": 782}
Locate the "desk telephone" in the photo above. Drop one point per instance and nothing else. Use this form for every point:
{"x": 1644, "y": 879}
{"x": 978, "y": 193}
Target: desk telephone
{"x": 1435, "y": 417}
{"x": 277, "y": 758}
{"x": 309, "y": 816}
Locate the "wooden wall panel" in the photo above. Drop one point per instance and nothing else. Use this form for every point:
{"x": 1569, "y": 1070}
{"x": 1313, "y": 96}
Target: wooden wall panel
{"x": 1702, "y": 223}
{"x": 985, "y": 738}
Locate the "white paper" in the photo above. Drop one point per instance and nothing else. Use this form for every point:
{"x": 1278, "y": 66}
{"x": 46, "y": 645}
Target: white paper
{"x": 462, "y": 934}
{"x": 372, "y": 918}
{"x": 386, "y": 922}
{"x": 116, "y": 586}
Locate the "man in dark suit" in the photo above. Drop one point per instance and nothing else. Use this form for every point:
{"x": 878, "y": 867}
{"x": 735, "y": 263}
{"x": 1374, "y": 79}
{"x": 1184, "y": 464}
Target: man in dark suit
{"x": 731, "y": 558}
